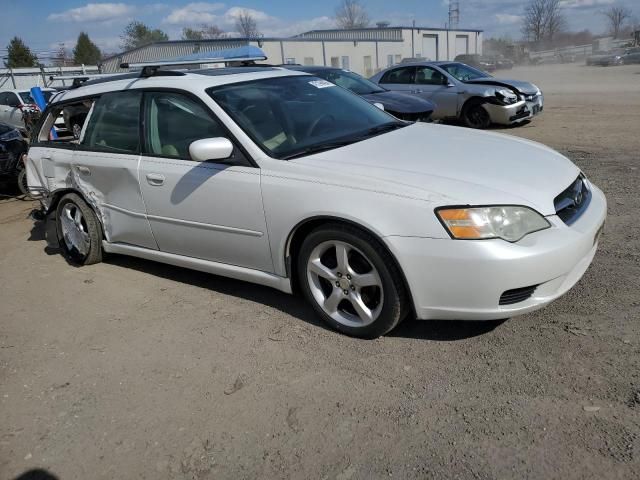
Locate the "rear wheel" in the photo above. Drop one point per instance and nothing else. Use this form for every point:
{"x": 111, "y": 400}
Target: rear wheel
{"x": 79, "y": 231}
{"x": 475, "y": 116}
{"x": 351, "y": 281}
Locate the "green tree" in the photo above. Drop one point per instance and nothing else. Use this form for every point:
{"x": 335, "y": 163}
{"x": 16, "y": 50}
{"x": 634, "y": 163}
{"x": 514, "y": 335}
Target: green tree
{"x": 86, "y": 52}
{"x": 19, "y": 55}
{"x": 137, "y": 34}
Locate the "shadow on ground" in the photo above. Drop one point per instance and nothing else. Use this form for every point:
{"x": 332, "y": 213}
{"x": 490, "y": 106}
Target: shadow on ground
{"x": 293, "y": 305}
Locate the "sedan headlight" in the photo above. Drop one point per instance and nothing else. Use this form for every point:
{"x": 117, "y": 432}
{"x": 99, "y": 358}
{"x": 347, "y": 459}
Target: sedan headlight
{"x": 510, "y": 223}
{"x": 506, "y": 96}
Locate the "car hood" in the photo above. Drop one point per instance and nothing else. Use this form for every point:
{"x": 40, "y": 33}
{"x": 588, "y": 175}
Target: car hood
{"x": 450, "y": 166}
{"x": 522, "y": 87}
{"x": 401, "y": 102}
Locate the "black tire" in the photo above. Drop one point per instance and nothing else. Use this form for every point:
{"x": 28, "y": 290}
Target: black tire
{"x": 394, "y": 293}
{"x": 22, "y": 183}
{"x": 475, "y": 116}
{"x": 90, "y": 225}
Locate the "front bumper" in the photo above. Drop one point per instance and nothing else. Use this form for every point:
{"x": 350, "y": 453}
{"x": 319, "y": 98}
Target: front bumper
{"x": 464, "y": 279}
{"x": 518, "y": 112}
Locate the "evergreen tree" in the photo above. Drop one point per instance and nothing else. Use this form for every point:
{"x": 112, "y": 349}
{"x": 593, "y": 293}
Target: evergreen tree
{"x": 86, "y": 52}
{"x": 137, "y": 34}
{"x": 19, "y": 55}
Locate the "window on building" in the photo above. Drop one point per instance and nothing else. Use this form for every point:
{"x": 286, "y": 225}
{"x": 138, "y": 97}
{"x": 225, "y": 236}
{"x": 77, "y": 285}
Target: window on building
{"x": 345, "y": 63}
{"x": 398, "y": 58}
{"x": 389, "y": 60}
{"x": 368, "y": 70}
{"x": 308, "y": 60}
{"x": 335, "y": 62}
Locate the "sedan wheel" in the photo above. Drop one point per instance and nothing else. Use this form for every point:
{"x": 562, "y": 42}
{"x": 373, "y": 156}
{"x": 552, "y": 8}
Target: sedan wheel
{"x": 475, "y": 116}
{"x": 351, "y": 281}
{"x": 345, "y": 284}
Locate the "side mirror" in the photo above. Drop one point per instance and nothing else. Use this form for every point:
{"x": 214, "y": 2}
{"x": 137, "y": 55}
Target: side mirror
{"x": 379, "y": 105}
{"x": 218, "y": 148}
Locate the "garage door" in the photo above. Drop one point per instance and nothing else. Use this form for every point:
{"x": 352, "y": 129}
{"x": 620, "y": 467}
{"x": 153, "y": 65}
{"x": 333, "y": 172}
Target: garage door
{"x": 462, "y": 44}
{"x": 430, "y": 47}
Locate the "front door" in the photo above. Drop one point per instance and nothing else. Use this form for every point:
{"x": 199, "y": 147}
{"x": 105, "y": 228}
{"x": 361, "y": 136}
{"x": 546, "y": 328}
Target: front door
{"x": 209, "y": 210}
{"x": 434, "y": 85}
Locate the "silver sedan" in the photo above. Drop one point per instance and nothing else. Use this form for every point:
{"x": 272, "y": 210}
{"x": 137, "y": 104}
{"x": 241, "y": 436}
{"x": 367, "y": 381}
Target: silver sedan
{"x": 465, "y": 93}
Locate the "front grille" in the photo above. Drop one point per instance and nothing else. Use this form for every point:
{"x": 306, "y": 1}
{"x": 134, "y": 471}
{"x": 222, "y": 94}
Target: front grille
{"x": 573, "y": 201}
{"x": 517, "y": 295}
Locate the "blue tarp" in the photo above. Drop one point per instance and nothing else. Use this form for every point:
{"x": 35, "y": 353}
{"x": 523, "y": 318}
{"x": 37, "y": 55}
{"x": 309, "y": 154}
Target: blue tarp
{"x": 248, "y": 51}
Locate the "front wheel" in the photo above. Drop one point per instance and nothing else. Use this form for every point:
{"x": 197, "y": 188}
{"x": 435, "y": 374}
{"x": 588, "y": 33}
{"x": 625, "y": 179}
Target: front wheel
{"x": 475, "y": 116}
{"x": 351, "y": 281}
{"x": 79, "y": 231}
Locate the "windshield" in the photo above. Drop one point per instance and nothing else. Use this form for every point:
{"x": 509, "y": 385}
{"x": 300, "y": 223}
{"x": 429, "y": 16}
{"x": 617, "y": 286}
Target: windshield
{"x": 27, "y": 98}
{"x": 350, "y": 81}
{"x": 463, "y": 72}
{"x": 294, "y": 116}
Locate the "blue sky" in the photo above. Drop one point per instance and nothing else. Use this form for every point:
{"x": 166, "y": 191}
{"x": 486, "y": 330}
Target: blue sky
{"x": 44, "y": 24}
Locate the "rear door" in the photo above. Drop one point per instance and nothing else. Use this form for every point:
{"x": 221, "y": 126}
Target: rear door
{"x": 210, "y": 210}
{"x": 105, "y": 167}
{"x": 400, "y": 79}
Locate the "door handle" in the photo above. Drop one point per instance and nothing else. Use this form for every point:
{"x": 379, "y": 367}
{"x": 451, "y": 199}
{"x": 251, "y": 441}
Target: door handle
{"x": 417, "y": 91}
{"x": 155, "y": 179}
{"x": 83, "y": 170}
{"x": 46, "y": 157}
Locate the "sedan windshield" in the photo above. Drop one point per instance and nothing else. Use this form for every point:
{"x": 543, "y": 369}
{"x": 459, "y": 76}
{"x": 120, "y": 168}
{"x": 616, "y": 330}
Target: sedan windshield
{"x": 463, "y": 72}
{"x": 350, "y": 81}
{"x": 295, "y": 116}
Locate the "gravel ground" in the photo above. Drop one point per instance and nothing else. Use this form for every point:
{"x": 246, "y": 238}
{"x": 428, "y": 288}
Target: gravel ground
{"x": 132, "y": 369}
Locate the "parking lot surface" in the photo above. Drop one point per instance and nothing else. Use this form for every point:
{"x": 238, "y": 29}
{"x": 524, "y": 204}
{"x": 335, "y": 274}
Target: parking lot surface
{"x": 133, "y": 369}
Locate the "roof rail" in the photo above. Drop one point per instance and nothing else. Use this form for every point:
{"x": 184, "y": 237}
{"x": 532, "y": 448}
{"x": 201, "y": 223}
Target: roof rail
{"x": 149, "y": 69}
{"x": 81, "y": 78}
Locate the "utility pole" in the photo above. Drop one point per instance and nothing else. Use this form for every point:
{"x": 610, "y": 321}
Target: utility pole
{"x": 454, "y": 14}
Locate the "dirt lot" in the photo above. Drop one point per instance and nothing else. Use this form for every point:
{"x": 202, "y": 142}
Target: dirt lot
{"x": 131, "y": 369}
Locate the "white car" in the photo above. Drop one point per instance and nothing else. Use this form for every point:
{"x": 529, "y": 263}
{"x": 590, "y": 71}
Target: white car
{"x": 13, "y": 102}
{"x": 283, "y": 179}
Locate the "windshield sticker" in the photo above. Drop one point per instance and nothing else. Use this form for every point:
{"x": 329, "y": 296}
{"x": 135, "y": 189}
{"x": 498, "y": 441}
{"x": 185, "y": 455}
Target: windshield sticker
{"x": 321, "y": 83}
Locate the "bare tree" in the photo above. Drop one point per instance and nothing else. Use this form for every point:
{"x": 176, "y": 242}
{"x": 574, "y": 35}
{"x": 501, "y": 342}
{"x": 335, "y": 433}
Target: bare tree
{"x": 351, "y": 14}
{"x": 533, "y": 21}
{"x": 543, "y": 20}
{"x": 555, "y": 21}
{"x": 616, "y": 17}
{"x": 247, "y": 25}
{"x": 205, "y": 32}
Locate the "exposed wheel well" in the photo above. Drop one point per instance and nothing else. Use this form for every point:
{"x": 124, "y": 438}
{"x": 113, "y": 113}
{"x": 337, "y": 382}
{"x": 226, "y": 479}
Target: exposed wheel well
{"x": 299, "y": 233}
{"x": 472, "y": 101}
{"x": 58, "y": 194}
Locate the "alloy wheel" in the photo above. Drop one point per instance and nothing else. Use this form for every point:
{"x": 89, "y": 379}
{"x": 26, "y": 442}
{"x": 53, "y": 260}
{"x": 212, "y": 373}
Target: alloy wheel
{"x": 74, "y": 229}
{"x": 345, "y": 284}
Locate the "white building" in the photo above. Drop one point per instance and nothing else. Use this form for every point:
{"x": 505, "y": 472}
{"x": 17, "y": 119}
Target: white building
{"x": 365, "y": 50}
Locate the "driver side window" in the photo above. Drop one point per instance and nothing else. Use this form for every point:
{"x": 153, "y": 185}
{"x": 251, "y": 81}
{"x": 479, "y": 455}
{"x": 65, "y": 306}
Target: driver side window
{"x": 173, "y": 122}
{"x": 429, "y": 76}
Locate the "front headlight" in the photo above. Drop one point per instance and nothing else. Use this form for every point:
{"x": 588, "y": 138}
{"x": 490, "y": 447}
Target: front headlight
{"x": 506, "y": 96}
{"x": 510, "y": 223}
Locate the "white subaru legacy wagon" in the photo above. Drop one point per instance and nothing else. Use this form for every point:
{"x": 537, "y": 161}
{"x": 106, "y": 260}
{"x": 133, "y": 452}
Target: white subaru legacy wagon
{"x": 283, "y": 179}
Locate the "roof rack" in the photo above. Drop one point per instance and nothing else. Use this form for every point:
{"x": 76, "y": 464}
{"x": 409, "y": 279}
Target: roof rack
{"x": 149, "y": 69}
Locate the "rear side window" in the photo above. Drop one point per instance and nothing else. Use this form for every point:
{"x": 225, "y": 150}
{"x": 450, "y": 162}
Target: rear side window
{"x": 173, "y": 122}
{"x": 399, "y": 75}
{"x": 114, "y": 124}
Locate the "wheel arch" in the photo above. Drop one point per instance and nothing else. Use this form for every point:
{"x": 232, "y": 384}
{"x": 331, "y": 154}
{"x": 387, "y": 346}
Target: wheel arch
{"x": 56, "y": 196}
{"x": 304, "y": 227}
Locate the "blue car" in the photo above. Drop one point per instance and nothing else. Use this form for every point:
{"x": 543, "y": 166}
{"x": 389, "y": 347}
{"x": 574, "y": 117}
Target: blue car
{"x": 401, "y": 105}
